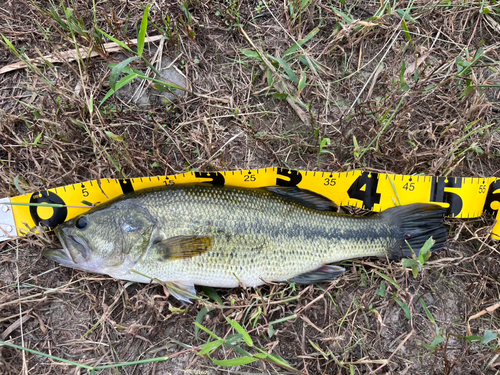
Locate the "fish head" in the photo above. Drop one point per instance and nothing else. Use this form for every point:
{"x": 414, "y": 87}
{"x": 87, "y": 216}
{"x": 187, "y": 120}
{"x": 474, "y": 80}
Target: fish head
{"x": 107, "y": 240}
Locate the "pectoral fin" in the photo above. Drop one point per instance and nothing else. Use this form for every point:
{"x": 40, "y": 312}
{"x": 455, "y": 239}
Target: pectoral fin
{"x": 324, "y": 273}
{"x": 184, "y": 291}
{"x": 181, "y": 247}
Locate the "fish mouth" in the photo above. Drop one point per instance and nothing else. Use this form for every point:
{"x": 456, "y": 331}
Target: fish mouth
{"x": 74, "y": 249}
{"x": 59, "y": 255}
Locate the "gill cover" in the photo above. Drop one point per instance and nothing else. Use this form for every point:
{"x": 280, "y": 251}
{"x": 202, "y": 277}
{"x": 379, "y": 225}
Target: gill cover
{"x": 106, "y": 236}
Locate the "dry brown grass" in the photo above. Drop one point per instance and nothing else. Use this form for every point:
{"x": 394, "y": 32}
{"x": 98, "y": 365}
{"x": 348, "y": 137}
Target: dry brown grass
{"x": 353, "y": 95}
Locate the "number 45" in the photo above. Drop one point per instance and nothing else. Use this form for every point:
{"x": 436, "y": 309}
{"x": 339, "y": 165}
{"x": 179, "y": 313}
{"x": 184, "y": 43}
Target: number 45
{"x": 409, "y": 186}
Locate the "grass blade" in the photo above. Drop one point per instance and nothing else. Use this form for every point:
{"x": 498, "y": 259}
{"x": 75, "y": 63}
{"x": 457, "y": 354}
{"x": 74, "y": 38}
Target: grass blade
{"x": 206, "y": 330}
{"x": 302, "y": 83}
{"x": 241, "y": 331}
{"x": 142, "y": 32}
{"x": 125, "y": 80}
{"x": 234, "y": 362}
{"x": 2, "y": 343}
{"x": 289, "y": 72}
{"x": 388, "y": 279}
{"x": 425, "y": 251}
{"x": 211, "y": 346}
{"x": 406, "y": 31}
{"x": 117, "y": 70}
{"x": 251, "y": 54}
{"x": 405, "y": 308}
{"x": 301, "y": 42}
{"x": 204, "y": 311}
{"x": 120, "y": 43}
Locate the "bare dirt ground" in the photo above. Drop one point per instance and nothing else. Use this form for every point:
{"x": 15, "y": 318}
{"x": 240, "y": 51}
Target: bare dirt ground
{"x": 395, "y": 86}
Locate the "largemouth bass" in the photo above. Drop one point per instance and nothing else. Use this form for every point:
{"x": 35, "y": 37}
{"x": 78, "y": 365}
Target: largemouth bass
{"x": 223, "y": 236}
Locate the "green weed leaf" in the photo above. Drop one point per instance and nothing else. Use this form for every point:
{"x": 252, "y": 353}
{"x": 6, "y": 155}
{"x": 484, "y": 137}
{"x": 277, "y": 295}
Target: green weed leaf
{"x": 288, "y": 71}
{"x": 18, "y": 186}
{"x": 204, "y": 311}
{"x": 406, "y": 31}
{"x": 250, "y": 53}
{"x": 413, "y": 264}
{"x": 120, "y": 43}
{"x": 211, "y": 346}
{"x": 381, "y": 290}
{"x": 404, "y": 85}
{"x": 425, "y": 251}
{"x": 239, "y": 350}
{"x": 142, "y": 32}
{"x": 488, "y": 336}
{"x": 299, "y": 43}
{"x": 302, "y": 83}
{"x": 37, "y": 139}
{"x": 117, "y": 70}
{"x": 113, "y": 136}
{"x": 433, "y": 345}
{"x": 212, "y": 294}
{"x": 235, "y": 339}
{"x": 269, "y": 76}
{"x": 324, "y": 142}
{"x": 471, "y": 338}
{"x": 427, "y": 312}
{"x": 241, "y": 331}
{"x": 11, "y": 46}
{"x": 388, "y": 279}
{"x": 206, "y": 330}
{"x": 280, "y": 96}
{"x": 234, "y": 362}
{"x": 405, "y": 308}
{"x": 276, "y": 359}
{"x": 124, "y": 81}
{"x": 405, "y": 15}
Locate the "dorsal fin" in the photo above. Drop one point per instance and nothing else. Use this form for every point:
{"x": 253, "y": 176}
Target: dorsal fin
{"x": 303, "y": 197}
{"x": 181, "y": 247}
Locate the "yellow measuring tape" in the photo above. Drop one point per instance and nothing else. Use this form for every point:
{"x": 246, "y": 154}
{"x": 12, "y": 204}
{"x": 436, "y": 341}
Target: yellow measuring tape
{"x": 462, "y": 197}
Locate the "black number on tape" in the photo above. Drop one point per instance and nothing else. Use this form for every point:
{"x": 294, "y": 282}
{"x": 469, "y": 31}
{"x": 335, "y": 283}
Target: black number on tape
{"x": 438, "y": 194}
{"x": 217, "y": 178}
{"x": 493, "y": 196}
{"x": 85, "y": 192}
{"x": 330, "y": 182}
{"x": 59, "y": 214}
{"x": 365, "y": 190}
{"x": 168, "y": 182}
{"x": 249, "y": 178}
{"x": 294, "y": 177}
{"x": 409, "y": 186}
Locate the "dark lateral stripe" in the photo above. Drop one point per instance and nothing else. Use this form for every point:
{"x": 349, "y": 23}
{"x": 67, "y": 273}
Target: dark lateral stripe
{"x": 126, "y": 185}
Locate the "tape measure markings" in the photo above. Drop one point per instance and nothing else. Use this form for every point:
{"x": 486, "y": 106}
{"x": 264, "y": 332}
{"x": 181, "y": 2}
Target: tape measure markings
{"x": 461, "y": 197}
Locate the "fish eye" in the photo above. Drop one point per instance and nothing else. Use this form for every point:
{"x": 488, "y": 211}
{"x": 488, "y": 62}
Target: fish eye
{"x": 82, "y": 222}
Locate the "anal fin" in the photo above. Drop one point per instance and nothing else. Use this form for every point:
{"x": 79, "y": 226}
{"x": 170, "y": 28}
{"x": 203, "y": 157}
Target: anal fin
{"x": 184, "y": 291}
{"x": 321, "y": 274}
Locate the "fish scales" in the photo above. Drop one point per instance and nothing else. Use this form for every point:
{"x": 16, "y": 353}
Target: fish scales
{"x": 223, "y": 236}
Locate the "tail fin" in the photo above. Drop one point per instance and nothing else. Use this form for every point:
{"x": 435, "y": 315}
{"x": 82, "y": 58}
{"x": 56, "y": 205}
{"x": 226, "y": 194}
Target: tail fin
{"x": 415, "y": 224}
